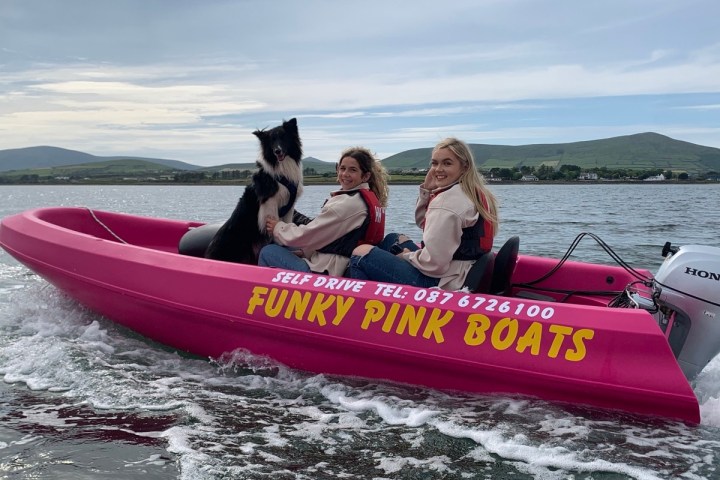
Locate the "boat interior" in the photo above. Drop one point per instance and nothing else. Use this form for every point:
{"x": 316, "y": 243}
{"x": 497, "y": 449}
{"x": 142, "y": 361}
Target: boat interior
{"x": 504, "y": 273}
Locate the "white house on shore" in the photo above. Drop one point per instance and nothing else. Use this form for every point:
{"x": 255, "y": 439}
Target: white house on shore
{"x": 655, "y": 178}
{"x": 588, "y": 176}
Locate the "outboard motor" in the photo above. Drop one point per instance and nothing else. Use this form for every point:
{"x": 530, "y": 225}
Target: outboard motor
{"x": 686, "y": 290}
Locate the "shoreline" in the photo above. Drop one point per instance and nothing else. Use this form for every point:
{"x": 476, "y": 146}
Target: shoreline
{"x": 311, "y": 182}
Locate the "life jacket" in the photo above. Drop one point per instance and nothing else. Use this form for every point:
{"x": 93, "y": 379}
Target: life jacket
{"x": 375, "y": 231}
{"x": 372, "y": 230}
{"x": 476, "y": 240}
{"x": 292, "y": 190}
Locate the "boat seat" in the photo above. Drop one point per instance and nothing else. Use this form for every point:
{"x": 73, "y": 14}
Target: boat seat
{"x": 492, "y": 273}
{"x": 479, "y": 277}
{"x": 196, "y": 240}
{"x": 505, "y": 261}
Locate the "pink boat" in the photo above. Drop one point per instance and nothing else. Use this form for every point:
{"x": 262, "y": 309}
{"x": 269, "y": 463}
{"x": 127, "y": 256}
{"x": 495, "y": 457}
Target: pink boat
{"x": 551, "y": 334}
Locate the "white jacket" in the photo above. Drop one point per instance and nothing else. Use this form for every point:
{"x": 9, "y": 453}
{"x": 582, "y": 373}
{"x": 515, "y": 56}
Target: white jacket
{"x": 341, "y": 214}
{"x": 449, "y": 212}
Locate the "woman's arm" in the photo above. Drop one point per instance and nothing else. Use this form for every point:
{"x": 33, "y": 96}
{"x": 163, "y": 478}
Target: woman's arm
{"x": 340, "y": 215}
{"x": 441, "y": 237}
{"x": 421, "y": 206}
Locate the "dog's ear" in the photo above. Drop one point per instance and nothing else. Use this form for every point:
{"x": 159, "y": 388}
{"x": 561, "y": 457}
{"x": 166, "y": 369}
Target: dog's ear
{"x": 291, "y": 125}
{"x": 259, "y": 134}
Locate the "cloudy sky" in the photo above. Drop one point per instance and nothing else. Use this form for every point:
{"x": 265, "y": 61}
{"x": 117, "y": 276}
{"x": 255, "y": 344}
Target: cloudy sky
{"x": 190, "y": 80}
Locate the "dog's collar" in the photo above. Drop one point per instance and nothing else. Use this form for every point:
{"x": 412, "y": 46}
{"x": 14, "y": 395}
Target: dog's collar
{"x": 292, "y": 188}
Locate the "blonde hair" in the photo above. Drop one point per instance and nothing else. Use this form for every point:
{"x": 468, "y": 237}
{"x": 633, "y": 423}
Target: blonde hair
{"x": 471, "y": 182}
{"x": 369, "y": 163}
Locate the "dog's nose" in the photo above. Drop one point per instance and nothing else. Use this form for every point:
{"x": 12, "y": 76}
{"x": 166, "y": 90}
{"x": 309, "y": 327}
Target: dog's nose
{"x": 278, "y": 151}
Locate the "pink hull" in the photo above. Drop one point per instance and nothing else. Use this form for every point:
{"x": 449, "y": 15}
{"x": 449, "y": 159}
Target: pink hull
{"x": 576, "y": 351}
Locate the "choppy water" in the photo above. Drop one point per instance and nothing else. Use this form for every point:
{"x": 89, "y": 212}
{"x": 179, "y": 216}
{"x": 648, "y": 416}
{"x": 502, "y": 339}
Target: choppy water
{"x": 83, "y": 398}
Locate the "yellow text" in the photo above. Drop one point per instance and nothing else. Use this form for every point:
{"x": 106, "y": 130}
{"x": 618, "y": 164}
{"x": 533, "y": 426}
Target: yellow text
{"x": 505, "y": 333}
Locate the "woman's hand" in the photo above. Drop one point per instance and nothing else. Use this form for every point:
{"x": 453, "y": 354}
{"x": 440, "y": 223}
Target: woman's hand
{"x": 430, "y": 183}
{"x": 270, "y": 223}
{"x": 402, "y": 238}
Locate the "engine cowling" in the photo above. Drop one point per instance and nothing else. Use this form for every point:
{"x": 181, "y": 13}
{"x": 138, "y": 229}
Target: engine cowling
{"x": 687, "y": 290}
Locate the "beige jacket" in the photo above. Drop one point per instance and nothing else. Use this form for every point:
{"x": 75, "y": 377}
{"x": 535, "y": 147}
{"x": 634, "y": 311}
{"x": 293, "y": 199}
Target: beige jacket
{"x": 340, "y": 214}
{"x": 445, "y": 217}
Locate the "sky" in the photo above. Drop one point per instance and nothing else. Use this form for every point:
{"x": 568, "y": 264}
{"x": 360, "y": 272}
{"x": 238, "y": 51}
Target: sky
{"x": 191, "y": 80}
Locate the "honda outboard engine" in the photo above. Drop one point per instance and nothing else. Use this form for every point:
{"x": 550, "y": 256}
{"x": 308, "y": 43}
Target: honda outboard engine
{"x": 686, "y": 290}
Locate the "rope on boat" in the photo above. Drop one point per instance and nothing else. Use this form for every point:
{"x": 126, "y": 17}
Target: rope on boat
{"x": 608, "y": 250}
{"x": 92, "y": 213}
{"x": 619, "y": 301}
{"x": 569, "y": 293}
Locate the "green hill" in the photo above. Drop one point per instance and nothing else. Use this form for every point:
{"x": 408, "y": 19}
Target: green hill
{"x": 97, "y": 170}
{"x": 638, "y": 152}
{"x": 319, "y": 166}
{"x": 44, "y": 156}
{"x": 644, "y": 151}
{"x": 133, "y": 170}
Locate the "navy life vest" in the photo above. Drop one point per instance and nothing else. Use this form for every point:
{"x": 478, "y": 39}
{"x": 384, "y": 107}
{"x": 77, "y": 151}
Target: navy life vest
{"x": 476, "y": 240}
{"x": 292, "y": 190}
{"x": 372, "y": 230}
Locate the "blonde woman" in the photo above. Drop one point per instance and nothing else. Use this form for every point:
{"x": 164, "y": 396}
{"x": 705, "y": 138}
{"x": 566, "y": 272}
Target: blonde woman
{"x": 458, "y": 216}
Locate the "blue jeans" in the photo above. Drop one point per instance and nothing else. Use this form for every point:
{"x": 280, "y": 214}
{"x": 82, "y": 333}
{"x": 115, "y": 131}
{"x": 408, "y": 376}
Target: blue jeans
{"x": 274, "y": 255}
{"x": 382, "y": 266}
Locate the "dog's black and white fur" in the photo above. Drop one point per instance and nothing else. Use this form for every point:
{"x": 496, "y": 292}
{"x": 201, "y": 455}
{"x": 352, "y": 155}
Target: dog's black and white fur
{"x": 272, "y": 191}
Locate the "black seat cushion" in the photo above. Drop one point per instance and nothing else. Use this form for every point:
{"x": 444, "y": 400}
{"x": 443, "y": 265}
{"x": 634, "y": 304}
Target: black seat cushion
{"x": 196, "y": 240}
{"x": 479, "y": 277}
{"x": 505, "y": 261}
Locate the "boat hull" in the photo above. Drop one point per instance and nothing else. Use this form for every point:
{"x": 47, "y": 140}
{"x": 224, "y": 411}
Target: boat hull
{"x": 127, "y": 268}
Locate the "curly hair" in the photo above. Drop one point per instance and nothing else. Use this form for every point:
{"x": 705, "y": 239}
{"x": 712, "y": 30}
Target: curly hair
{"x": 369, "y": 163}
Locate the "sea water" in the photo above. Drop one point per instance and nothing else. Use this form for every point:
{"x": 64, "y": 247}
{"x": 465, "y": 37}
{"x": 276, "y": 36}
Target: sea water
{"x": 84, "y": 398}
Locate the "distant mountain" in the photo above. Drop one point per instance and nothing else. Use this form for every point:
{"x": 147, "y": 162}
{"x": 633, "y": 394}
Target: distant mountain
{"x": 320, "y": 166}
{"x": 44, "y": 156}
{"x": 107, "y": 170}
{"x": 640, "y": 151}
{"x": 307, "y": 162}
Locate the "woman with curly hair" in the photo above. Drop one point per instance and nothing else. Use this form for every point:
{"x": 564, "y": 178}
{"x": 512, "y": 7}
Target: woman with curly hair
{"x": 351, "y": 216}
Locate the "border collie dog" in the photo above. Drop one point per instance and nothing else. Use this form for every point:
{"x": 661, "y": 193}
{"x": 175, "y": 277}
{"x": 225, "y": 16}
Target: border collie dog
{"x": 274, "y": 187}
